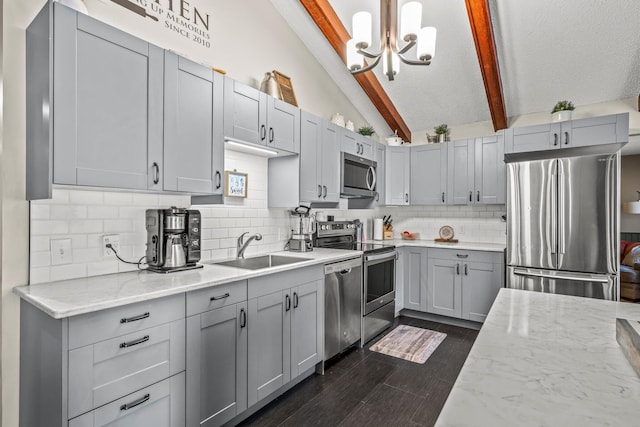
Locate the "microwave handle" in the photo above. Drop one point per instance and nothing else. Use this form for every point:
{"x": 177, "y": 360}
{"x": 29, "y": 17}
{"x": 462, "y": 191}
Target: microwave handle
{"x": 371, "y": 185}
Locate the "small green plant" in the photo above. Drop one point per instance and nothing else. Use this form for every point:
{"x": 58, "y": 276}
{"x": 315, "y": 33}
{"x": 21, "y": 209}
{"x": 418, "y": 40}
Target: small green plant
{"x": 366, "y": 130}
{"x": 563, "y": 106}
{"x": 441, "y": 129}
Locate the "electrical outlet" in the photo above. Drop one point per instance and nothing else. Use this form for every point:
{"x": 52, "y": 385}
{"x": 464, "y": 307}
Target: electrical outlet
{"x": 461, "y": 229}
{"x": 61, "y": 251}
{"x": 114, "y": 240}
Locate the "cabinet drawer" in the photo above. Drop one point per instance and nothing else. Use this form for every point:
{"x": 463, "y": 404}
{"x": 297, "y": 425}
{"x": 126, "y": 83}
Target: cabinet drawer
{"x": 159, "y": 405}
{"x": 466, "y": 255}
{"x": 102, "y": 372}
{"x": 216, "y": 297}
{"x": 277, "y": 282}
{"x": 102, "y": 325}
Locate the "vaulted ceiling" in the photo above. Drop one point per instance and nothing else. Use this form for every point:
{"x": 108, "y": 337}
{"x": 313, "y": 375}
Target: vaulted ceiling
{"x": 587, "y": 51}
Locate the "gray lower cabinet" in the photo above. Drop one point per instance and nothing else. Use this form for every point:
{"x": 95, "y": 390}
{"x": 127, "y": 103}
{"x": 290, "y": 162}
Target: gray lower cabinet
{"x": 429, "y": 174}
{"x": 159, "y": 405}
{"x": 193, "y": 134}
{"x": 464, "y": 283}
{"x": 609, "y": 129}
{"x": 253, "y": 116}
{"x": 122, "y": 365}
{"x": 285, "y": 327}
{"x": 414, "y": 261}
{"x": 398, "y": 175}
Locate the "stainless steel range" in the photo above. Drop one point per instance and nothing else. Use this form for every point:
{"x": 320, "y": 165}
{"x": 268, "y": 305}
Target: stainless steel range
{"x": 378, "y": 273}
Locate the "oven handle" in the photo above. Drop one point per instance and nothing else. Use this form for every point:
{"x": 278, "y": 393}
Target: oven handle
{"x": 382, "y": 257}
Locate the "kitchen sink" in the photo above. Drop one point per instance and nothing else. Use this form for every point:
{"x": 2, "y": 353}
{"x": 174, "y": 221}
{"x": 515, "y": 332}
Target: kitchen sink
{"x": 264, "y": 261}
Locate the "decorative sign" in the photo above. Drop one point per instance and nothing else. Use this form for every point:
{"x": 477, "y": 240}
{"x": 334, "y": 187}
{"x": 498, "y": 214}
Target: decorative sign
{"x": 286, "y": 88}
{"x": 235, "y": 184}
{"x": 184, "y": 18}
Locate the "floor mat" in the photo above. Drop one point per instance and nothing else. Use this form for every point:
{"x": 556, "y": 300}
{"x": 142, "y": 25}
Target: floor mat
{"x": 409, "y": 343}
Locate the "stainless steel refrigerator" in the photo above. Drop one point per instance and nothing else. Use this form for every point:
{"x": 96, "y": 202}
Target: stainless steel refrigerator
{"x": 562, "y": 224}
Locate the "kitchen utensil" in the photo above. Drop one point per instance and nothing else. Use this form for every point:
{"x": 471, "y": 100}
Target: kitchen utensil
{"x": 173, "y": 239}
{"x": 134, "y": 8}
{"x": 174, "y": 256}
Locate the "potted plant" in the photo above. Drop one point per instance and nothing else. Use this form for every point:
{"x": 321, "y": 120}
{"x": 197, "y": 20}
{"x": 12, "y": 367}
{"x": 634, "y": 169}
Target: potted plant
{"x": 562, "y": 111}
{"x": 366, "y": 130}
{"x": 442, "y": 131}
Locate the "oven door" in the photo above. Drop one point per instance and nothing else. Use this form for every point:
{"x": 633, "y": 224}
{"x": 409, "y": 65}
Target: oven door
{"x": 379, "y": 280}
{"x": 357, "y": 176}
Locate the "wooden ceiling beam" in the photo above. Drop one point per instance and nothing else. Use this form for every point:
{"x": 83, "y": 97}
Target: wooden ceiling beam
{"x": 329, "y": 23}
{"x": 482, "y": 30}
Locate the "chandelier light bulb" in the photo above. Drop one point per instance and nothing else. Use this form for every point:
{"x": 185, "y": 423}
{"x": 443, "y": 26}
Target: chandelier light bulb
{"x": 426, "y": 44}
{"x": 354, "y": 59}
{"x": 362, "y": 29}
{"x": 411, "y": 19}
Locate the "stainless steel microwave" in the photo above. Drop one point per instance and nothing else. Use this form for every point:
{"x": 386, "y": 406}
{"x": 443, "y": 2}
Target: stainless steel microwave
{"x": 357, "y": 176}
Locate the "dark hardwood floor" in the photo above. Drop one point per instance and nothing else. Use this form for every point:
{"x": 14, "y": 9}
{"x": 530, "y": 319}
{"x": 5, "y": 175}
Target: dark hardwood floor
{"x": 365, "y": 388}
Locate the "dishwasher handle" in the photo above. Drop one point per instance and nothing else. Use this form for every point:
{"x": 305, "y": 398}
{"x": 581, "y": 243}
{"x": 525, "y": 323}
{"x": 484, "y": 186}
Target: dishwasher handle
{"x": 345, "y": 271}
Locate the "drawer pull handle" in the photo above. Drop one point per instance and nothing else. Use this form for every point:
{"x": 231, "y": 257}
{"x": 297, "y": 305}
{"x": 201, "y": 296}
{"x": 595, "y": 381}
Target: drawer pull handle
{"x": 134, "y": 318}
{"x": 243, "y": 318}
{"x": 135, "y": 403}
{"x": 462, "y": 255}
{"x": 134, "y": 342}
{"x": 227, "y": 295}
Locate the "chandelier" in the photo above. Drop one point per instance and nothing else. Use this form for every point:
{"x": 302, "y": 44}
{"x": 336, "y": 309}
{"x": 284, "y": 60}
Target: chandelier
{"x": 390, "y": 54}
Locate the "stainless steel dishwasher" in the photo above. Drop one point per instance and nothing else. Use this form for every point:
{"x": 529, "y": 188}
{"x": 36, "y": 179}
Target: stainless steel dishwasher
{"x": 342, "y": 305}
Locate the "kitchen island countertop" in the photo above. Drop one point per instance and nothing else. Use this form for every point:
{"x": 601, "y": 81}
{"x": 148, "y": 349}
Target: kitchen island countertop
{"x": 547, "y": 360}
{"x": 71, "y": 297}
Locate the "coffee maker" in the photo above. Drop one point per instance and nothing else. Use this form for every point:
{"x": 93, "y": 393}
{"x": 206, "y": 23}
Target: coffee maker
{"x": 303, "y": 226}
{"x": 173, "y": 239}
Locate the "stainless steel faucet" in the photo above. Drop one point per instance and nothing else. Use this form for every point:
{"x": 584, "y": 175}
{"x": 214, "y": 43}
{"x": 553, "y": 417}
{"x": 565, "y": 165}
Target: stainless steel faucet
{"x": 242, "y": 246}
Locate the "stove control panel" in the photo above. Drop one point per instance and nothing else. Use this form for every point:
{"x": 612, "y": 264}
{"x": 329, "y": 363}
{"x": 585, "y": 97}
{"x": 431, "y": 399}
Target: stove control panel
{"x": 335, "y": 228}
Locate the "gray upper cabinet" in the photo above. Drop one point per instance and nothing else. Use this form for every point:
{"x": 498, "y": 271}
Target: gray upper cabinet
{"x": 103, "y": 125}
{"x": 429, "y": 174}
{"x": 253, "y": 116}
{"x": 319, "y": 160}
{"x": 398, "y": 175}
{"x": 381, "y": 172}
{"x": 490, "y": 183}
{"x": 415, "y": 278}
{"x": 193, "y": 134}
{"x": 609, "y": 129}
{"x": 460, "y": 184}
{"x": 217, "y": 365}
{"x": 356, "y": 144}
{"x": 477, "y": 173}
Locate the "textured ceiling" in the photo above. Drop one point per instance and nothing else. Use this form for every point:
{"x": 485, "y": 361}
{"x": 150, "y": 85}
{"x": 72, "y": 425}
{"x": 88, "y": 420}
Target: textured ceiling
{"x": 587, "y": 51}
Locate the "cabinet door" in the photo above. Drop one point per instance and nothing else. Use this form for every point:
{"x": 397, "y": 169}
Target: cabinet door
{"x": 398, "y": 172}
{"x": 532, "y": 138}
{"x": 481, "y": 283}
{"x": 595, "y": 130}
{"x": 193, "y": 146}
{"x": 217, "y": 374}
{"x": 159, "y": 405}
{"x": 460, "y": 174}
{"x": 429, "y": 174}
{"x": 283, "y": 125}
{"x": 269, "y": 344}
{"x": 381, "y": 171}
{"x": 245, "y": 113}
{"x": 367, "y": 146}
{"x": 306, "y": 327}
{"x": 311, "y": 128}
{"x": 490, "y": 172}
{"x": 330, "y": 154}
{"x": 444, "y": 286}
{"x": 108, "y": 105}
{"x": 415, "y": 278}
{"x": 356, "y": 144}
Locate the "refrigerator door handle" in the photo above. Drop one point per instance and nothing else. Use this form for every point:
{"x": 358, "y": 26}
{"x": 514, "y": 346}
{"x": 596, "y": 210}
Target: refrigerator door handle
{"x": 519, "y": 272}
{"x": 561, "y": 212}
{"x": 554, "y": 212}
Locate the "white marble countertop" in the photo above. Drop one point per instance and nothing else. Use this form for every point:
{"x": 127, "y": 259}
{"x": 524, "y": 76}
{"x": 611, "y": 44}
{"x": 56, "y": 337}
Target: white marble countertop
{"x": 472, "y": 246}
{"x": 67, "y": 298}
{"x": 547, "y": 360}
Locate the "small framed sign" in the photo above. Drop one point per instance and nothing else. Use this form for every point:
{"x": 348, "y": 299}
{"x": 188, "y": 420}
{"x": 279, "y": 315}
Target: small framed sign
{"x": 235, "y": 184}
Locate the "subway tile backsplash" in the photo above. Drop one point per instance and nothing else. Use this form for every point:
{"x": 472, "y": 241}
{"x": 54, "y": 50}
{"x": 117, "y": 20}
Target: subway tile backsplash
{"x": 84, "y": 216}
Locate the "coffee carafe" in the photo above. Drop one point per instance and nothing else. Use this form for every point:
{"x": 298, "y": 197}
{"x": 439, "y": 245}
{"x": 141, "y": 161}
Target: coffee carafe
{"x": 173, "y": 239}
